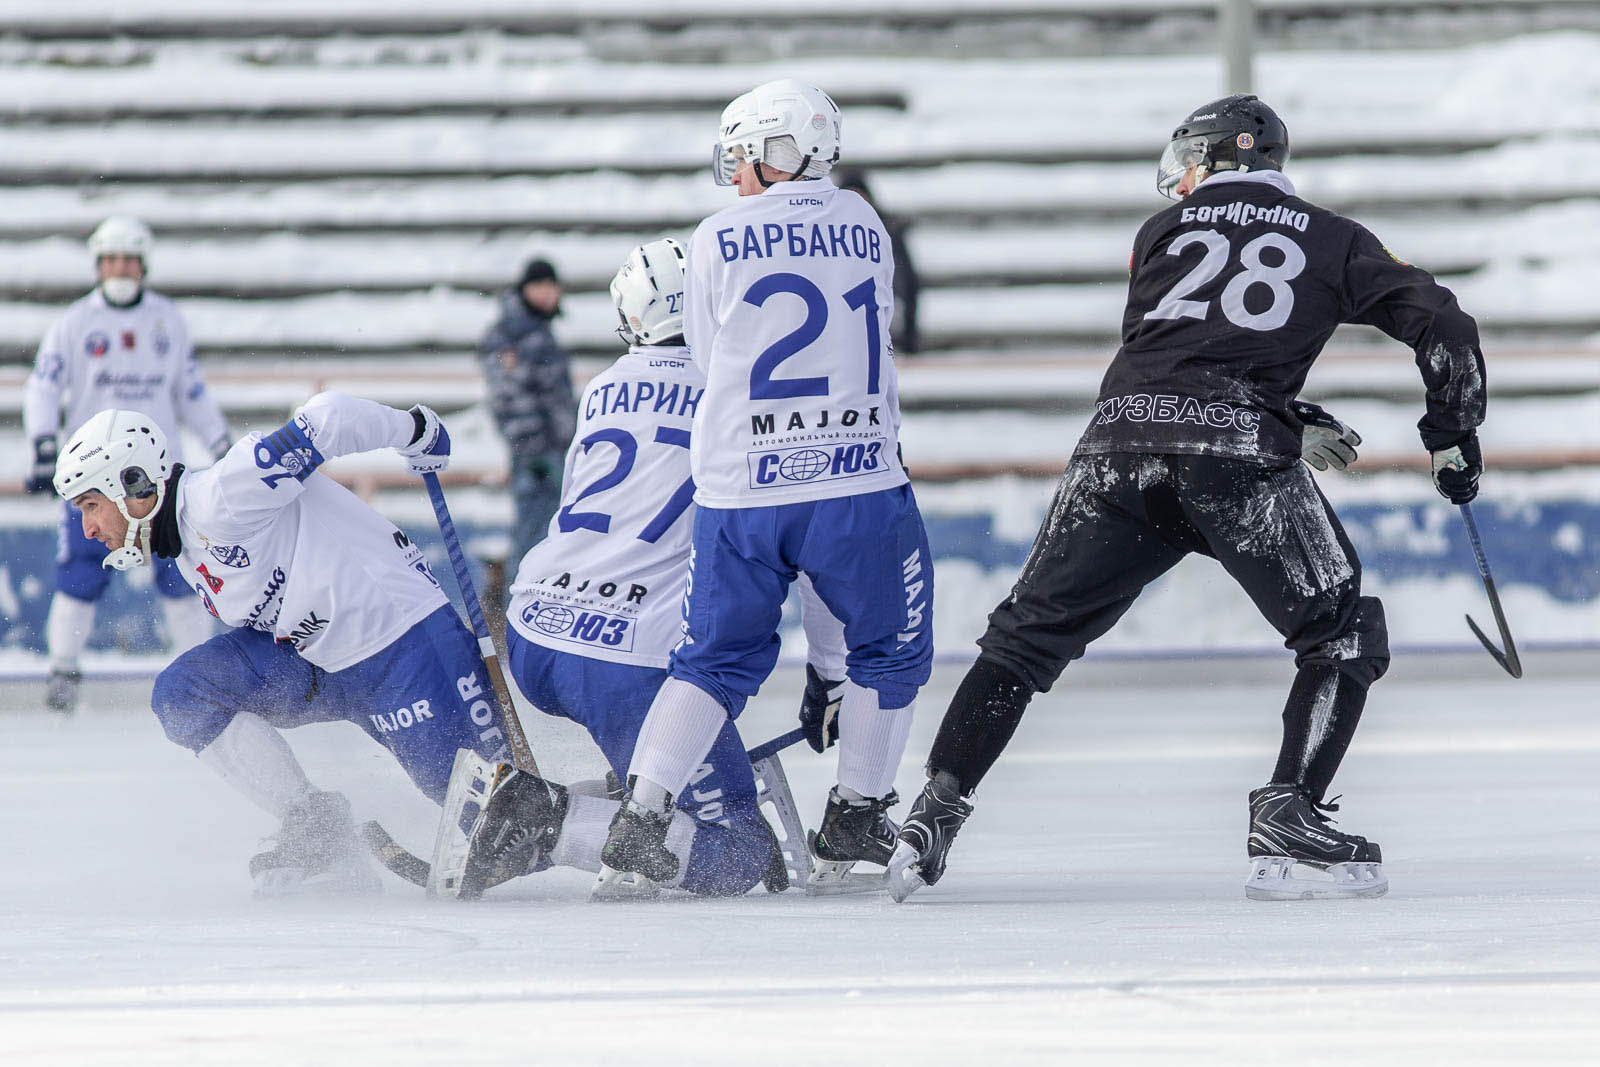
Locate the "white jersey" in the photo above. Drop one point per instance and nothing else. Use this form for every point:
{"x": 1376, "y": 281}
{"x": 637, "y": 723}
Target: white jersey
{"x": 608, "y": 580}
{"x": 138, "y": 358}
{"x": 787, "y": 307}
{"x": 271, "y": 544}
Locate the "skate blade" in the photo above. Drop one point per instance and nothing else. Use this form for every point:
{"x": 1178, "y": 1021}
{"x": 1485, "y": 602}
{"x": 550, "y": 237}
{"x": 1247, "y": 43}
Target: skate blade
{"x": 623, "y": 885}
{"x": 902, "y": 874}
{"x": 829, "y": 879}
{"x": 832, "y": 878}
{"x": 472, "y": 779}
{"x": 1281, "y": 878}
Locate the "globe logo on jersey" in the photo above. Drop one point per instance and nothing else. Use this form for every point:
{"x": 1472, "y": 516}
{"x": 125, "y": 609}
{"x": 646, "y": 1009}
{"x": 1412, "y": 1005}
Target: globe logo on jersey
{"x": 97, "y": 344}
{"x": 804, "y": 465}
{"x": 553, "y": 619}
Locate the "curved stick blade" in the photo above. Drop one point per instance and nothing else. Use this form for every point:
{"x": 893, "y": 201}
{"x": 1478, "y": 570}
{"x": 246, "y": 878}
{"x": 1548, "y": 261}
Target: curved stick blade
{"x": 1509, "y": 659}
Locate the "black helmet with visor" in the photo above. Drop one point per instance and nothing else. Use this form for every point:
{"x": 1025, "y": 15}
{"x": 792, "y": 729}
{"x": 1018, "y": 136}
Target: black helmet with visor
{"x": 1238, "y": 133}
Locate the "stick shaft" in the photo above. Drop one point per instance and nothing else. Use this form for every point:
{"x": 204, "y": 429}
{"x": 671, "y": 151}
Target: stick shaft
{"x": 521, "y": 753}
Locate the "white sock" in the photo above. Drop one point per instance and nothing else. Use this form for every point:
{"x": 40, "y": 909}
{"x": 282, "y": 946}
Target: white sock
{"x": 871, "y": 741}
{"x": 255, "y": 759}
{"x": 588, "y": 823}
{"x": 680, "y": 729}
{"x": 584, "y": 832}
{"x": 67, "y": 630}
{"x": 188, "y": 622}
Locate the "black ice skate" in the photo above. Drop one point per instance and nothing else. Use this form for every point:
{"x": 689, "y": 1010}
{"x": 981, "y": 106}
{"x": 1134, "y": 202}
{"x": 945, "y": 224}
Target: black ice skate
{"x": 636, "y": 861}
{"x": 853, "y": 831}
{"x": 317, "y": 851}
{"x": 517, "y": 827}
{"x": 925, "y": 839}
{"x": 1297, "y": 854}
{"x": 61, "y": 692}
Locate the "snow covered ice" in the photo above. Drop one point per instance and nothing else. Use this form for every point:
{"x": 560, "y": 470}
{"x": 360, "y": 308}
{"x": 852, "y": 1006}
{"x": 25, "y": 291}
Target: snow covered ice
{"x": 1093, "y": 911}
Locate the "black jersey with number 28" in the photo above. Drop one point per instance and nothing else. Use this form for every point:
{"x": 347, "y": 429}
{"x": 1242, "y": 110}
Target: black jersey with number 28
{"x": 1232, "y": 294}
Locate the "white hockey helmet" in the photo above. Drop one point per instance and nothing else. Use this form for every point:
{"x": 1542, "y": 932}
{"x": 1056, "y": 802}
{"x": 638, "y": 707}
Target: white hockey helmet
{"x": 122, "y": 235}
{"x": 786, "y": 124}
{"x": 648, "y": 292}
{"x": 122, "y": 454}
{"x": 127, "y": 236}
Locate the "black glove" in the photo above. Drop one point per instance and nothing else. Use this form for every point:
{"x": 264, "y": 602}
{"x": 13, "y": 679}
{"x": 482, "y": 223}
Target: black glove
{"x": 819, "y": 709}
{"x": 40, "y": 478}
{"x": 1325, "y": 441}
{"x": 1457, "y": 467}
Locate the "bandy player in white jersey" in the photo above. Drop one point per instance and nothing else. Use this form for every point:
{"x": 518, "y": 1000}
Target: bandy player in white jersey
{"x": 796, "y": 470}
{"x": 121, "y": 346}
{"x": 334, "y": 613}
{"x": 597, "y": 607}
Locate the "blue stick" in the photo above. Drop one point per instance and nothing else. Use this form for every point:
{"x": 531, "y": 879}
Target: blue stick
{"x": 521, "y": 753}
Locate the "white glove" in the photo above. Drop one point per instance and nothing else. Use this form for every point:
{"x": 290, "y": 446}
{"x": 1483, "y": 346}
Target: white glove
{"x": 1325, "y": 441}
{"x": 429, "y": 450}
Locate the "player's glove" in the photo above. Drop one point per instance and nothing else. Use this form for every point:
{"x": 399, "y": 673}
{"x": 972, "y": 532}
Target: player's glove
{"x": 42, "y": 472}
{"x": 429, "y": 450}
{"x": 1325, "y": 441}
{"x": 819, "y": 709}
{"x": 1456, "y": 469}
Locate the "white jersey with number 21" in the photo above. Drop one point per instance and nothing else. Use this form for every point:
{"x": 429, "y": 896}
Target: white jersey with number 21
{"x": 788, "y": 300}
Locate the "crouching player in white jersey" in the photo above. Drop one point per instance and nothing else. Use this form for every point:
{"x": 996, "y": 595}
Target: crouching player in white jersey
{"x": 336, "y": 614}
{"x": 597, "y": 606}
{"x": 796, "y": 471}
{"x": 121, "y": 346}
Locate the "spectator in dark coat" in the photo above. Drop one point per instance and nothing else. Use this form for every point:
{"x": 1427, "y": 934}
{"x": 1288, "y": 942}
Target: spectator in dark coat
{"x": 906, "y": 285}
{"x": 530, "y": 394}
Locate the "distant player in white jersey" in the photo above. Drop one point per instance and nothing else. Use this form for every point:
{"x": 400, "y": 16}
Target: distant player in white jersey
{"x": 598, "y": 605}
{"x": 335, "y": 614}
{"x": 121, "y": 346}
{"x": 796, "y": 467}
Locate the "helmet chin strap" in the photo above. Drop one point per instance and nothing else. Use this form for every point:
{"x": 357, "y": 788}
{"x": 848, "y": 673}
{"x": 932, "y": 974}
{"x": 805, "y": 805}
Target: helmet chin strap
{"x": 135, "y": 550}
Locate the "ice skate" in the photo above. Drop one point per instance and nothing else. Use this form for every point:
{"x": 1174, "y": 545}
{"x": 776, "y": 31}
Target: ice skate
{"x": 61, "y": 692}
{"x": 853, "y": 831}
{"x": 516, "y": 828}
{"x": 1297, "y": 854}
{"x": 317, "y": 852}
{"x": 925, "y": 839}
{"x": 636, "y": 860}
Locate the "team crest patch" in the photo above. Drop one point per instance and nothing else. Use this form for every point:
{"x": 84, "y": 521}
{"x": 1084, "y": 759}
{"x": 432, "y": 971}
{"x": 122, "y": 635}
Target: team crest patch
{"x": 128, "y": 339}
{"x": 97, "y": 344}
{"x": 162, "y": 343}
{"x": 231, "y": 555}
{"x": 1244, "y": 140}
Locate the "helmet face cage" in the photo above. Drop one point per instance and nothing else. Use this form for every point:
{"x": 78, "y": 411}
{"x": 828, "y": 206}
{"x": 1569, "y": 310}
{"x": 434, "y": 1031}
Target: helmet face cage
{"x": 120, "y": 454}
{"x": 801, "y": 117}
{"x": 648, "y": 293}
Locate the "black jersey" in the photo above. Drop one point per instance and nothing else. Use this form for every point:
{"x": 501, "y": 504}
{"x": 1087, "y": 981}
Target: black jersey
{"x": 1231, "y": 296}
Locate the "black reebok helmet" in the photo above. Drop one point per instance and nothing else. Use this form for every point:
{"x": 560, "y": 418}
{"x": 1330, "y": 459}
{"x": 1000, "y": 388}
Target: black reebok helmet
{"x": 1238, "y": 132}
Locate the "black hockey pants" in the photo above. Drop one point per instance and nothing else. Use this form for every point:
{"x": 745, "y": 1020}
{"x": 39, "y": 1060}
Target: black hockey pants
{"x": 1119, "y": 521}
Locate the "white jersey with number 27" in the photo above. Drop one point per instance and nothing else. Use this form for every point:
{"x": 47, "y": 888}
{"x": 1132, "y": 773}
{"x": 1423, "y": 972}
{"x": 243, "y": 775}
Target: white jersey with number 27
{"x": 607, "y": 581}
{"x": 788, "y": 300}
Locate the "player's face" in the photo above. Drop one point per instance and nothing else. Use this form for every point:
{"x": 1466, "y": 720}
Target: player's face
{"x": 101, "y": 520}
{"x": 120, "y": 265}
{"x": 1191, "y": 178}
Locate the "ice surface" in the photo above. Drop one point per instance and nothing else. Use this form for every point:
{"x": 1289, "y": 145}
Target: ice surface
{"x": 1093, "y": 912}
